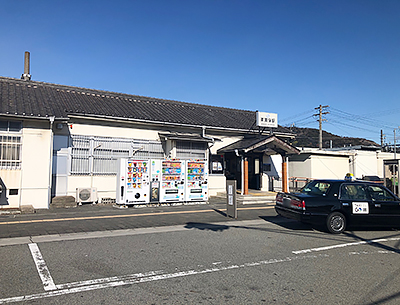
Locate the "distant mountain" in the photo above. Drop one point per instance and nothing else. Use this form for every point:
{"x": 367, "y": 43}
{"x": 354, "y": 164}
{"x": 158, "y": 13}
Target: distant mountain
{"x": 309, "y": 137}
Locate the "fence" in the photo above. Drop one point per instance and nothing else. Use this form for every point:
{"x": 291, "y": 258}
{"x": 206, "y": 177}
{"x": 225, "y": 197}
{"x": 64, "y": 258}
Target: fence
{"x": 295, "y": 183}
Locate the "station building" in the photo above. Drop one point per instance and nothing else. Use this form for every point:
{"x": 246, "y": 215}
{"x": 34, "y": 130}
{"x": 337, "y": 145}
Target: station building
{"x": 55, "y": 139}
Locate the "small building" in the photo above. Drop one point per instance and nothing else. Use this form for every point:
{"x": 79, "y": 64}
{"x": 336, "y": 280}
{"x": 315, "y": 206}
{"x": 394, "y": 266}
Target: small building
{"x": 335, "y": 163}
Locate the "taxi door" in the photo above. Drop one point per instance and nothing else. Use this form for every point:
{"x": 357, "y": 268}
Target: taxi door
{"x": 386, "y": 207}
{"x": 357, "y": 204}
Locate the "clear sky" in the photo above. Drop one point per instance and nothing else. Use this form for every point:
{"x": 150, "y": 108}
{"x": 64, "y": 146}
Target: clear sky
{"x": 281, "y": 56}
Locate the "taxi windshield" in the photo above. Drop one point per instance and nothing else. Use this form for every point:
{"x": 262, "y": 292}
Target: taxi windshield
{"x": 318, "y": 188}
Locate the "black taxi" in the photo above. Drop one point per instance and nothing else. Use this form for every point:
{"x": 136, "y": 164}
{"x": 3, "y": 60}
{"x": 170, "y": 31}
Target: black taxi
{"x": 338, "y": 204}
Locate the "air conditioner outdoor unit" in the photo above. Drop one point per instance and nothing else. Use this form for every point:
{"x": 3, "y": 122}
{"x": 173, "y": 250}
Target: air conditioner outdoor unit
{"x": 86, "y": 195}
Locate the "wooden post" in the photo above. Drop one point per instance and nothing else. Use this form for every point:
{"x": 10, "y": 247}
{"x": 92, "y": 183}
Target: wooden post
{"x": 284, "y": 175}
{"x": 246, "y": 177}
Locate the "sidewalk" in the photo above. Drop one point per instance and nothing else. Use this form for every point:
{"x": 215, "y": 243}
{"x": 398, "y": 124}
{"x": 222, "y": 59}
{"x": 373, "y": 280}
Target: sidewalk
{"x": 101, "y": 217}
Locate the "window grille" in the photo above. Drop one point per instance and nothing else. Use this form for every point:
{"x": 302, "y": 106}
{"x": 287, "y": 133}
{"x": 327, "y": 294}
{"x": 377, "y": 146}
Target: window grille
{"x": 10, "y": 145}
{"x": 191, "y": 150}
{"x": 99, "y": 155}
{"x": 10, "y": 152}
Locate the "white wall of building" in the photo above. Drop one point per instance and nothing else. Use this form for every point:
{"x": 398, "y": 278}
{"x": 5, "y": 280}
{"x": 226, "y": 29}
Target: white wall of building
{"x": 315, "y": 164}
{"x": 272, "y": 169}
{"x": 33, "y": 180}
{"x": 329, "y": 167}
{"x": 113, "y": 131}
{"x": 12, "y": 180}
{"x": 106, "y": 185}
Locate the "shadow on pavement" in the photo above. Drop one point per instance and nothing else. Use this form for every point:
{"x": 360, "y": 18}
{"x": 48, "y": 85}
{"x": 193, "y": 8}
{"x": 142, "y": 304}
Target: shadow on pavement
{"x": 285, "y": 226}
{"x": 220, "y": 212}
{"x": 287, "y": 223}
{"x": 206, "y": 226}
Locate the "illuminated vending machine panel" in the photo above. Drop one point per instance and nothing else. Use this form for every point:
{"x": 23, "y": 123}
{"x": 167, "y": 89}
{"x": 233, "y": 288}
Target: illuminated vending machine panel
{"x": 196, "y": 180}
{"x": 133, "y": 182}
{"x": 155, "y": 180}
{"x": 172, "y": 181}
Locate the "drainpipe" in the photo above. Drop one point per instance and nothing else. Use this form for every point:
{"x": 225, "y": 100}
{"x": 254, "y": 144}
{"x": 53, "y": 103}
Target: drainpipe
{"x": 203, "y": 134}
{"x": 51, "y": 119}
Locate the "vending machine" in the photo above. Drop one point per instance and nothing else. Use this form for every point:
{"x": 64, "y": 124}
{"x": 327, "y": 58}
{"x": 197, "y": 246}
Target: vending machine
{"x": 133, "y": 181}
{"x": 196, "y": 185}
{"x": 155, "y": 180}
{"x": 172, "y": 181}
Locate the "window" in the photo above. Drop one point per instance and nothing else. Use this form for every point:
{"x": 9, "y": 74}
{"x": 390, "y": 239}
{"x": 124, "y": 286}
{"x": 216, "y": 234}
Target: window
{"x": 99, "y": 155}
{"x": 216, "y": 164}
{"x": 10, "y": 145}
{"x": 316, "y": 188}
{"x": 266, "y": 167}
{"x": 10, "y": 126}
{"x": 380, "y": 194}
{"x": 191, "y": 150}
{"x": 353, "y": 192}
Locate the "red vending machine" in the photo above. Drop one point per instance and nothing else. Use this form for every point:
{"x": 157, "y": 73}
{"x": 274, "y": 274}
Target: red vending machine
{"x": 133, "y": 182}
{"x": 172, "y": 181}
{"x": 196, "y": 185}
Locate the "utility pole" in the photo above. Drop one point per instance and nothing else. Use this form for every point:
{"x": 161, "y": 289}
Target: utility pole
{"x": 320, "y": 120}
{"x": 394, "y": 132}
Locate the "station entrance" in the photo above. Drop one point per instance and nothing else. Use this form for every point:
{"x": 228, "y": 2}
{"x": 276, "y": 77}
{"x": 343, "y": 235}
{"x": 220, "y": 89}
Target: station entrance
{"x": 244, "y": 160}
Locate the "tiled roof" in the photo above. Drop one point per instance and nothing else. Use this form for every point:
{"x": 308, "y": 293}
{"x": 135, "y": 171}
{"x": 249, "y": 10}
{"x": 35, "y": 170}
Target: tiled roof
{"x": 38, "y": 99}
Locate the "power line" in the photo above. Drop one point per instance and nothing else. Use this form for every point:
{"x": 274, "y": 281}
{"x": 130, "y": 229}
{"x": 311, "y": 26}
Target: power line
{"x": 359, "y": 118}
{"x": 296, "y": 116}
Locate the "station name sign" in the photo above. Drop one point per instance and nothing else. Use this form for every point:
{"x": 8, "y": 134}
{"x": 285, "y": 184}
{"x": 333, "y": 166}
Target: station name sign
{"x": 266, "y": 119}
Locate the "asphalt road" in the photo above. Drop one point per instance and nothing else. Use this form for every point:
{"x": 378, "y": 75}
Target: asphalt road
{"x": 262, "y": 260}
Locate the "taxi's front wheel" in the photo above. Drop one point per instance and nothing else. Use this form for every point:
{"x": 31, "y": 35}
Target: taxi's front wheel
{"x": 336, "y": 223}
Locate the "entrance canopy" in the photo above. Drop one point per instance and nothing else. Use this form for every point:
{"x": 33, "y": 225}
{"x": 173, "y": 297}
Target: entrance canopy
{"x": 268, "y": 145}
{"x": 186, "y": 137}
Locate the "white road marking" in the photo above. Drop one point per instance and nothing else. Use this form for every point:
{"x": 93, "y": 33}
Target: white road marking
{"x": 108, "y": 279}
{"x": 125, "y": 280}
{"x": 372, "y": 241}
{"x": 41, "y": 267}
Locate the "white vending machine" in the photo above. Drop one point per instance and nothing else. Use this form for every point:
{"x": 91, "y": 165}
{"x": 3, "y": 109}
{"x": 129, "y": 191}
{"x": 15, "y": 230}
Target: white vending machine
{"x": 172, "y": 181}
{"x": 196, "y": 184}
{"x": 155, "y": 180}
{"x": 133, "y": 181}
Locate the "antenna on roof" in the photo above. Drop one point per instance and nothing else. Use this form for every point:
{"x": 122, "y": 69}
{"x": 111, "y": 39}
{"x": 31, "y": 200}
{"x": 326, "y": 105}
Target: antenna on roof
{"x": 26, "y": 75}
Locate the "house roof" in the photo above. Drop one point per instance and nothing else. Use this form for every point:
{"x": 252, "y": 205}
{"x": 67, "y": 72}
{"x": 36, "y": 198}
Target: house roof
{"x": 34, "y": 99}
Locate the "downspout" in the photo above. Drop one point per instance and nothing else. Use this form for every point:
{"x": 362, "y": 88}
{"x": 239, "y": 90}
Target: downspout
{"x": 51, "y": 119}
{"x": 203, "y": 134}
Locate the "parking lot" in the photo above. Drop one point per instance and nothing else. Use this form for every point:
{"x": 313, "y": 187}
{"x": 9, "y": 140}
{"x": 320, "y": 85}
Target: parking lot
{"x": 264, "y": 259}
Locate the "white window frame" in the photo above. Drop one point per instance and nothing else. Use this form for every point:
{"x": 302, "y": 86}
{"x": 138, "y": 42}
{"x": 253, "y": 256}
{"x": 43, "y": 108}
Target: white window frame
{"x": 11, "y": 146}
